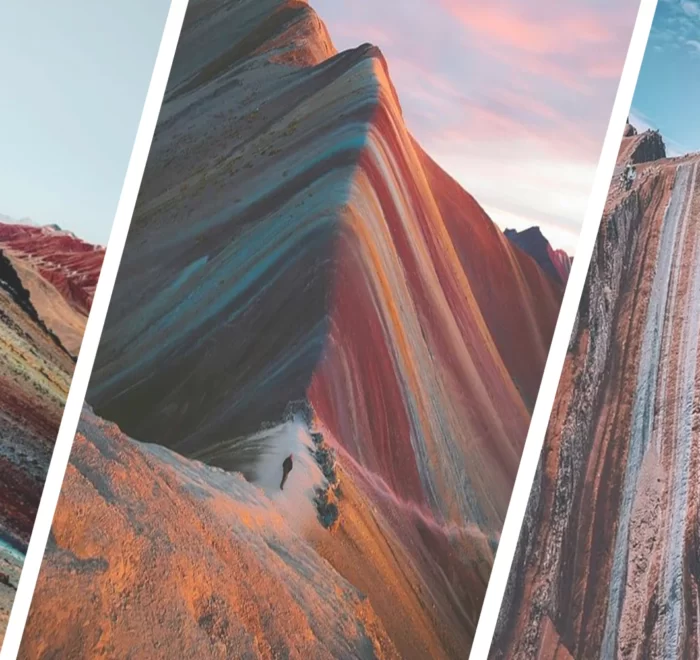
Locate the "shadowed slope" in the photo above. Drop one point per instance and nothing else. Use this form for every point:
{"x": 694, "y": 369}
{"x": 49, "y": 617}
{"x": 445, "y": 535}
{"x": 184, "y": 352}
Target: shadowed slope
{"x": 613, "y": 514}
{"x": 556, "y": 263}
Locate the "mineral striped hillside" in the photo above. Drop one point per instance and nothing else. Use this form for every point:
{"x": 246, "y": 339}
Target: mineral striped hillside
{"x": 35, "y": 373}
{"x": 47, "y": 280}
{"x": 60, "y": 271}
{"x": 607, "y": 564}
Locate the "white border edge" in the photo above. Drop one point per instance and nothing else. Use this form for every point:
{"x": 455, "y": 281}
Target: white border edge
{"x": 555, "y": 362}
{"x": 93, "y": 330}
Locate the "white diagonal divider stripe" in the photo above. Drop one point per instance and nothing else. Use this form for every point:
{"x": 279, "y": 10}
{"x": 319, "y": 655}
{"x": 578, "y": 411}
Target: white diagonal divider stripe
{"x": 93, "y": 330}
{"x": 560, "y": 341}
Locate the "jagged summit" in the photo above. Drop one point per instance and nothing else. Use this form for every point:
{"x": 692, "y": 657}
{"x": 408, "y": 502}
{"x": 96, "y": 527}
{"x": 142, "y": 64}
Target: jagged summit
{"x": 643, "y": 147}
{"x": 556, "y": 263}
{"x": 630, "y": 130}
{"x": 650, "y": 146}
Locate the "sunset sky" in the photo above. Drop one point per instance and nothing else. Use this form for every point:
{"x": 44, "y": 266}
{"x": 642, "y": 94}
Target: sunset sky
{"x": 513, "y": 98}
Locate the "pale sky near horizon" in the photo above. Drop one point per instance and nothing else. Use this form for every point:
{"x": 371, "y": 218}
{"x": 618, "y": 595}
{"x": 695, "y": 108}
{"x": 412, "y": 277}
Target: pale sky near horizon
{"x": 511, "y": 97}
{"x": 668, "y": 90}
{"x": 74, "y": 77}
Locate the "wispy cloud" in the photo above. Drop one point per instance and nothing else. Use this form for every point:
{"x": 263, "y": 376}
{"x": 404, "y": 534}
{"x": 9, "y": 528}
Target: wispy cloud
{"x": 516, "y": 26}
{"x": 495, "y": 85}
{"x": 677, "y": 25}
{"x": 690, "y": 8}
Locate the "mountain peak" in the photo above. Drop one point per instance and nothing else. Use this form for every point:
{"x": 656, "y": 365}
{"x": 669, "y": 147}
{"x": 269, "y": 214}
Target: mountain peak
{"x": 642, "y": 147}
{"x": 556, "y": 263}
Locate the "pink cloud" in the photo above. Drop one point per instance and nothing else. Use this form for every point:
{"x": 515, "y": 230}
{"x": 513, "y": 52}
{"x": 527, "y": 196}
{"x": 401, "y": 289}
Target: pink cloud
{"x": 364, "y": 33}
{"x": 527, "y": 103}
{"x": 509, "y": 26}
{"x": 568, "y": 44}
{"x": 607, "y": 67}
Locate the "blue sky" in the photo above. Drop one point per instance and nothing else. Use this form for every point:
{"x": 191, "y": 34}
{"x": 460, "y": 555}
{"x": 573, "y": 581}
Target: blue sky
{"x": 511, "y": 97}
{"x": 668, "y": 91}
{"x": 74, "y": 80}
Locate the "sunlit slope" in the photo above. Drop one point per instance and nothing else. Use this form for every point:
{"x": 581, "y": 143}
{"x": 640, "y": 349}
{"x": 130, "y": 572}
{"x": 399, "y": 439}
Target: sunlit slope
{"x": 235, "y": 578}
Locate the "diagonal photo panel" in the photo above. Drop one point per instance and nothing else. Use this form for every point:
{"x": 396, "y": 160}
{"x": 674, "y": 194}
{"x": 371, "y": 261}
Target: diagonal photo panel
{"x": 607, "y": 562}
{"x": 74, "y": 80}
{"x": 328, "y": 329}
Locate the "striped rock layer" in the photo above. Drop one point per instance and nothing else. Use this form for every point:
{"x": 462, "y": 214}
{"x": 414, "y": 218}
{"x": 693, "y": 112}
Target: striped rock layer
{"x": 35, "y": 373}
{"x": 607, "y": 564}
{"x": 292, "y": 242}
{"x": 47, "y": 281}
{"x": 60, "y": 271}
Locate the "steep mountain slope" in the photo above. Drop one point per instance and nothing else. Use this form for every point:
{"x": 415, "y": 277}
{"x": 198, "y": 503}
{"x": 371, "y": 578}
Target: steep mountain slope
{"x": 613, "y": 518}
{"x": 315, "y": 228}
{"x": 292, "y": 243}
{"x": 60, "y": 272}
{"x": 35, "y": 374}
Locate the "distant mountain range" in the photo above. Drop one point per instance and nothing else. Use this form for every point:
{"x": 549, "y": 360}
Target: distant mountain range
{"x": 28, "y": 222}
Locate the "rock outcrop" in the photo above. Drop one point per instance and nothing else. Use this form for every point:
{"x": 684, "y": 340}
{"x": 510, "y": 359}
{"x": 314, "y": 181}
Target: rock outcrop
{"x": 556, "y": 263}
{"x": 642, "y": 147}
